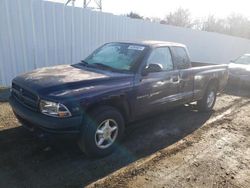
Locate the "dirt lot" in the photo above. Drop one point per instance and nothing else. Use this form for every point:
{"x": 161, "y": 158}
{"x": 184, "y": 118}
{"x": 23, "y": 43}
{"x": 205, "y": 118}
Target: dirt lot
{"x": 178, "y": 148}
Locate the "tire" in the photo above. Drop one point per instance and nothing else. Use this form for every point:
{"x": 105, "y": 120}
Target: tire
{"x": 101, "y": 132}
{"x": 206, "y": 104}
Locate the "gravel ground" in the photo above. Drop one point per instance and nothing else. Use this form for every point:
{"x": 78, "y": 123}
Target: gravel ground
{"x": 178, "y": 148}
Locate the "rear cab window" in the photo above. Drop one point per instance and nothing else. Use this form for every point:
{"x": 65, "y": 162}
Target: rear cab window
{"x": 181, "y": 58}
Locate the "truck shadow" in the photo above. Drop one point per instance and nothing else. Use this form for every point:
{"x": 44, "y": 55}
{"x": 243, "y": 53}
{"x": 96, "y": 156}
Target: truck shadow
{"x": 29, "y": 162}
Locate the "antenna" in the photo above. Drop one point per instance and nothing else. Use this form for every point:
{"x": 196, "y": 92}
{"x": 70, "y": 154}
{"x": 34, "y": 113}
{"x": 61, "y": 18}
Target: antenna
{"x": 86, "y": 4}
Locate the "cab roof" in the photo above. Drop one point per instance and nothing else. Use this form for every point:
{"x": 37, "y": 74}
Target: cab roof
{"x": 153, "y": 43}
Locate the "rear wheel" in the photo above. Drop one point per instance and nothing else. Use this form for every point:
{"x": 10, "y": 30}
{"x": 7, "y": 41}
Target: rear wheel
{"x": 102, "y": 132}
{"x": 207, "y": 102}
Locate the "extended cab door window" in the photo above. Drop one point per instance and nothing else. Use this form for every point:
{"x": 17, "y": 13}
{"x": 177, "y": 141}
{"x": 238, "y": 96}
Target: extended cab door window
{"x": 161, "y": 56}
{"x": 182, "y": 63}
{"x": 181, "y": 58}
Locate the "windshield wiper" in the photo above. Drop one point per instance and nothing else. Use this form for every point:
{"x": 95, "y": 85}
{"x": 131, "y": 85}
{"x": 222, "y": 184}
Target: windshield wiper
{"x": 102, "y": 66}
{"x": 85, "y": 63}
{"x": 98, "y": 65}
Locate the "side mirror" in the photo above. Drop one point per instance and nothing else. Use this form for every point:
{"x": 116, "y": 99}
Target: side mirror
{"x": 152, "y": 68}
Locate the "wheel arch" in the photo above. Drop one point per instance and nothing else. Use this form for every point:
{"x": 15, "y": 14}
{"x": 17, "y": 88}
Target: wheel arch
{"x": 213, "y": 81}
{"x": 118, "y": 102}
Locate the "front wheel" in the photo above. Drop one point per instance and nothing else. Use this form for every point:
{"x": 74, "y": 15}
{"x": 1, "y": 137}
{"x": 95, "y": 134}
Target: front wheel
{"x": 101, "y": 132}
{"x": 207, "y": 102}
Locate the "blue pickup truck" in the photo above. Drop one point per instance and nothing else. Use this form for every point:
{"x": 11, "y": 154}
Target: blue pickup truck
{"x": 118, "y": 83}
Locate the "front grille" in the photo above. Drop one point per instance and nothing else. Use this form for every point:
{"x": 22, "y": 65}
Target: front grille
{"x": 25, "y": 97}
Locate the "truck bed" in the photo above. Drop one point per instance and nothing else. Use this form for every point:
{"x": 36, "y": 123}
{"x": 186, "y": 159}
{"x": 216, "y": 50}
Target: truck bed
{"x": 202, "y": 64}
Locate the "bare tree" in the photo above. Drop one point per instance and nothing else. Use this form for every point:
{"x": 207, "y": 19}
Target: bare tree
{"x": 212, "y": 24}
{"x": 234, "y": 24}
{"x": 238, "y": 25}
{"x": 134, "y": 15}
{"x": 181, "y": 17}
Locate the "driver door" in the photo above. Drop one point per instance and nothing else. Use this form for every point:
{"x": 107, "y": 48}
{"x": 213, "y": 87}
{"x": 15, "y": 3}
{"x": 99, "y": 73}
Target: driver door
{"x": 156, "y": 90}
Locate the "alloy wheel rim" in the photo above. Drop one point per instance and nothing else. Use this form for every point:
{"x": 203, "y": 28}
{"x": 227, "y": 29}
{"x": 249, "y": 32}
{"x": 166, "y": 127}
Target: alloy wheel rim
{"x": 106, "y": 133}
{"x": 210, "y": 99}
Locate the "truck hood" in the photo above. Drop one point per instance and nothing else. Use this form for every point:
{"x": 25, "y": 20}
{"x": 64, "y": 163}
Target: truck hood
{"x": 67, "y": 80}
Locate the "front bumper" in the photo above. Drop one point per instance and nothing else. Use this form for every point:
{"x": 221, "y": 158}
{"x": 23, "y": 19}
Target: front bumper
{"x": 36, "y": 120}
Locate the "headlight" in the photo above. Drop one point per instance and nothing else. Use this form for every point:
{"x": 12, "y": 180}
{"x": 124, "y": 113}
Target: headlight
{"x": 54, "y": 109}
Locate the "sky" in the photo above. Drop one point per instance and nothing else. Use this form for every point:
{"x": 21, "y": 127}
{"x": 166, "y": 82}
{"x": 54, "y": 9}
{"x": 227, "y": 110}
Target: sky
{"x": 160, "y": 8}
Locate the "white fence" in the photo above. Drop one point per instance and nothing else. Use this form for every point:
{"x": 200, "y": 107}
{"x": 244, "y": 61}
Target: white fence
{"x": 37, "y": 33}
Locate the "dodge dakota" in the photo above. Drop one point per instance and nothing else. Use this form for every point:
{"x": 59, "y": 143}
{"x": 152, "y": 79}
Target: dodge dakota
{"x": 118, "y": 83}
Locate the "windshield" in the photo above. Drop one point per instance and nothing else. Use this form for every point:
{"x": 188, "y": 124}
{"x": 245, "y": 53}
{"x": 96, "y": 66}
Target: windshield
{"x": 115, "y": 56}
{"x": 245, "y": 59}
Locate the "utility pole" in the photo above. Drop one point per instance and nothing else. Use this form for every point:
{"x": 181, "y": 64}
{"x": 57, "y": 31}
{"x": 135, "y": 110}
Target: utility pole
{"x": 97, "y": 3}
{"x": 86, "y": 4}
{"x": 72, "y": 55}
{"x": 98, "y": 6}
{"x": 73, "y": 2}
